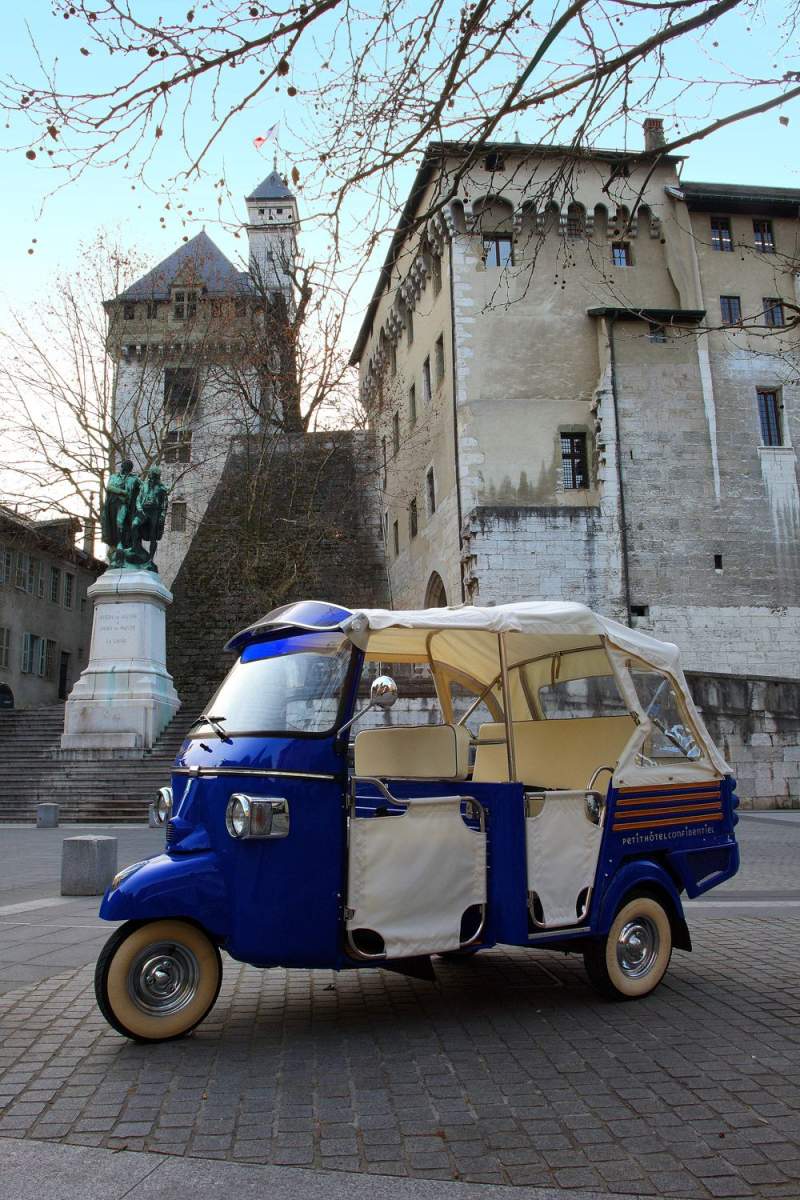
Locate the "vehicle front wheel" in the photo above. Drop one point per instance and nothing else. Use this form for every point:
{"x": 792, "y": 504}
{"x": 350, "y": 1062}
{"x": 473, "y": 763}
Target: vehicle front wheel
{"x": 631, "y": 961}
{"x": 158, "y": 980}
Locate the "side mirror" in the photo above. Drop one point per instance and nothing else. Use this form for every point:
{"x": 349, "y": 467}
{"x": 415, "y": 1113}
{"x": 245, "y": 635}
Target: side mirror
{"x": 383, "y": 692}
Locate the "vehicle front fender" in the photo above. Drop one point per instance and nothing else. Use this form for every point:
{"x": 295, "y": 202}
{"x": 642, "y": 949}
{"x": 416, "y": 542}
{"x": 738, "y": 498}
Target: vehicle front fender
{"x": 186, "y": 885}
{"x": 644, "y": 876}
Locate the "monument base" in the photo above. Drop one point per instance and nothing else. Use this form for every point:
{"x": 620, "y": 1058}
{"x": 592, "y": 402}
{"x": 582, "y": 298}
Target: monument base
{"x": 125, "y": 696}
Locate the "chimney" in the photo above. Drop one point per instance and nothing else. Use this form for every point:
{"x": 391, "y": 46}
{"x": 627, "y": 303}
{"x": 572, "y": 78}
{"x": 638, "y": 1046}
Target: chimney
{"x": 654, "y": 133}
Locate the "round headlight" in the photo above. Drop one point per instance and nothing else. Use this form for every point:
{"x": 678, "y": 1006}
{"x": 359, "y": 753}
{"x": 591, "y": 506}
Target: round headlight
{"x": 237, "y": 817}
{"x": 163, "y": 805}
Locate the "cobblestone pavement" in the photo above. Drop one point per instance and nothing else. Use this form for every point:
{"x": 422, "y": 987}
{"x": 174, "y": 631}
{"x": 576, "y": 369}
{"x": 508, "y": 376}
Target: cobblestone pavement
{"x": 508, "y": 1069}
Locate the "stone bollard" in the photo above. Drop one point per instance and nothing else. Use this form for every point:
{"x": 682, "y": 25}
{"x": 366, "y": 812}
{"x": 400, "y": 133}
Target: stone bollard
{"x": 46, "y": 816}
{"x": 88, "y": 864}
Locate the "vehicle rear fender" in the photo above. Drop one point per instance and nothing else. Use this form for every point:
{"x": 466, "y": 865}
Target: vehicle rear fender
{"x": 648, "y": 877}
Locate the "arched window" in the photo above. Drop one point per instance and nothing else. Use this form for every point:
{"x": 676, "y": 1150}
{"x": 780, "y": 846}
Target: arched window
{"x": 435, "y": 594}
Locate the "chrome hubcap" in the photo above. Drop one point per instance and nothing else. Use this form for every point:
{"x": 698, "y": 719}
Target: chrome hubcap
{"x": 637, "y": 947}
{"x": 163, "y": 978}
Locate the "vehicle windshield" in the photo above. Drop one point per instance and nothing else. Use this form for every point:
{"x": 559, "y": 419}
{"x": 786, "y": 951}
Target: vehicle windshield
{"x": 291, "y": 685}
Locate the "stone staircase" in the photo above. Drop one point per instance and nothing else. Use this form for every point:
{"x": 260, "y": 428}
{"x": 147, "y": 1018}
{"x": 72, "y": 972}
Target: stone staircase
{"x": 86, "y": 789}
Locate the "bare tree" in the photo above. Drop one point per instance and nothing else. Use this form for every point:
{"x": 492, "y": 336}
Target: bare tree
{"x": 372, "y": 87}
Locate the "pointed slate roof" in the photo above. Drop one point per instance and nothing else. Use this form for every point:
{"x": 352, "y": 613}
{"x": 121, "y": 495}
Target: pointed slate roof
{"x": 198, "y": 261}
{"x": 272, "y": 188}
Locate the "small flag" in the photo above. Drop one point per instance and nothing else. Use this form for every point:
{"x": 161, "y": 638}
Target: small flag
{"x": 262, "y": 138}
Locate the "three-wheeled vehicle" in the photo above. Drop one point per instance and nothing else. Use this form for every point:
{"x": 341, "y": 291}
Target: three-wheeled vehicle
{"x": 567, "y": 798}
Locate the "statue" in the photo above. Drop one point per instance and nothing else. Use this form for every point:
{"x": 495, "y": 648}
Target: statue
{"x": 117, "y": 512}
{"x": 134, "y": 512}
{"x": 148, "y": 522}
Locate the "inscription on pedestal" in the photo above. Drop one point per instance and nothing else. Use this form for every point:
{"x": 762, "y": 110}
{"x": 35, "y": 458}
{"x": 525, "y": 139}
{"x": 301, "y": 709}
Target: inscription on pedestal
{"x": 116, "y": 631}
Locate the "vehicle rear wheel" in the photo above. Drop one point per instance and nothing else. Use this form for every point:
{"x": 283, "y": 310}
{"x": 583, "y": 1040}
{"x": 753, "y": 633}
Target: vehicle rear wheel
{"x": 158, "y": 980}
{"x": 631, "y": 961}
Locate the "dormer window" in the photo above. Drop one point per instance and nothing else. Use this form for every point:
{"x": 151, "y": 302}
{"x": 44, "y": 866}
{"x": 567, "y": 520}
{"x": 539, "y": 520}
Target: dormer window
{"x": 129, "y": 311}
{"x": 184, "y": 303}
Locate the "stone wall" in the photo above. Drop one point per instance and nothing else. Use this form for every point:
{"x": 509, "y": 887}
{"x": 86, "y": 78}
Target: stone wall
{"x": 754, "y": 723}
{"x": 297, "y": 521}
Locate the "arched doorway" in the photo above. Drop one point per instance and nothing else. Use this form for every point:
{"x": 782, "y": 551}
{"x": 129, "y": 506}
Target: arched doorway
{"x": 435, "y": 594}
{"x": 6, "y": 696}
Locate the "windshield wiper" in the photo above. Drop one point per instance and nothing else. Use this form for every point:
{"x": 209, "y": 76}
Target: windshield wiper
{"x": 216, "y": 725}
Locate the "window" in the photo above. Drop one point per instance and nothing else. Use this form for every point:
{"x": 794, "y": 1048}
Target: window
{"x": 731, "y": 309}
{"x": 621, "y": 254}
{"x": 409, "y": 326}
{"x": 178, "y": 446}
{"x": 439, "y": 359}
{"x": 383, "y": 460}
{"x": 576, "y": 223}
{"x": 396, "y": 433}
{"x": 426, "y": 381}
{"x": 573, "y": 460}
{"x": 721, "y": 234}
{"x": 396, "y": 538}
{"x": 69, "y": 590}
{"x": 769, "y": 415}
{"x": 657, "y": 333}
{"x": 6, "y": 565}
{"x": 29, "y": 576}
{"x": 773, "y": 312}
{"x": 436, "y": 274}
{"x": 393, "y": 358}
{"x": 177, "y": 516}
{"x": 49, "y": 659}
{"x": 184, "y": 304}
{"x": 763, "y": 237}
{"x": 180, "y": 387}
{"x": 152, "y": 310}
{"x": 129, "y": 312}
{"x": 34, "y": 654}
{"x": 670, "y": 736}
{"x": 430, "y": 488}
{"x": 55, "y": 585}
{"x": 717, "y": 562}
{"x": 494, "y": 162}
{"x": 412, "y": 406}
{"x": 498, "y": 250}
{"x": 386, "y": 529}
{"x": 413, "y": 518}
{"x": 5, "y": 647}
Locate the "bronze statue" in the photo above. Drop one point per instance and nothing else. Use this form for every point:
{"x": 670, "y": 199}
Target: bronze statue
{"x": 134, "y": 512}
{"x": 117, "y": 512}
{"x": 149, "y": 520}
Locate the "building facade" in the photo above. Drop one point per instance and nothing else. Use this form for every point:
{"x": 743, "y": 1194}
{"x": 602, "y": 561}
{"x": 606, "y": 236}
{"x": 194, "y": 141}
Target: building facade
{"x": 45, "y": 621}
{"x": 202, "y": 356}
{"x": 581, "y": 373}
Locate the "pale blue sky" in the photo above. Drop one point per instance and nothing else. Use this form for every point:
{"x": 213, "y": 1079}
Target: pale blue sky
{"x": 762, "y": 151}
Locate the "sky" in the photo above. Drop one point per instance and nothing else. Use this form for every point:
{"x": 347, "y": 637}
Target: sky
{"x": 50, "y": 217}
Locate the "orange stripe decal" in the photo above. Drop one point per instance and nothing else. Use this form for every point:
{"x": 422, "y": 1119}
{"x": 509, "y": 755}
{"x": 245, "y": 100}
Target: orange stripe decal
{"x": 634, "y": 802}
{"x": 666, "y": 809}
{"x": 670, "y": 821}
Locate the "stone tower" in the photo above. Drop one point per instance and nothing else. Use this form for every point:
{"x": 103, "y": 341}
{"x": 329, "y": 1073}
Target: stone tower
{"x": 272, "y": 220}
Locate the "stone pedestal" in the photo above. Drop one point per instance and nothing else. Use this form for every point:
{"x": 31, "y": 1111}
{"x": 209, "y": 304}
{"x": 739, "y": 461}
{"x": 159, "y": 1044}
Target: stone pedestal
{"x": 125, "y": 696}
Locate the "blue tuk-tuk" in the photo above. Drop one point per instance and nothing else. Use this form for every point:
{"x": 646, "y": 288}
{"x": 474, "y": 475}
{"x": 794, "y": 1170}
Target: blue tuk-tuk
{"x": 567, "y": 798}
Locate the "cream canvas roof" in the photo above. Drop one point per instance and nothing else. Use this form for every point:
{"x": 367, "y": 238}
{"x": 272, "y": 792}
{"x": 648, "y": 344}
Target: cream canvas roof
{"x": 541, "y": 627}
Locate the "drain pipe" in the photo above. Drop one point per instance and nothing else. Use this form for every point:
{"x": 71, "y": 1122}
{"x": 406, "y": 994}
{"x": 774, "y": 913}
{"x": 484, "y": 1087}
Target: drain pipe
{"x": 623, "y": 525}
{"x": 456, "y": 459}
